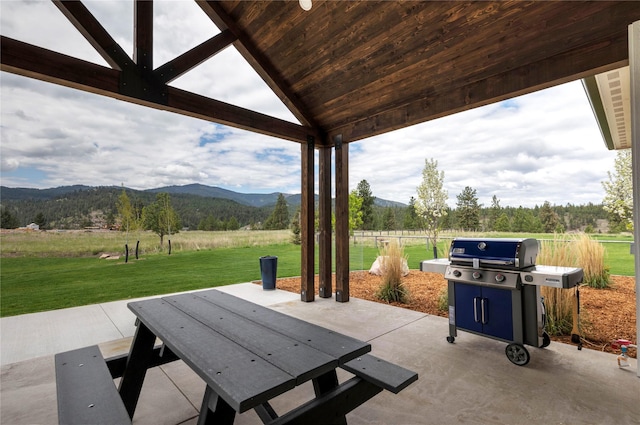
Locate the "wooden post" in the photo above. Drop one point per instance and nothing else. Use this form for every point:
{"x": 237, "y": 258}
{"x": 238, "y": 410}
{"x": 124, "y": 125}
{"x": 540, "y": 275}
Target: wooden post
{"x": 326, "y": 287}
{"x": 307, "y": 218}
{"x": 634, "y": 72}
{"x": 342, "y": 220}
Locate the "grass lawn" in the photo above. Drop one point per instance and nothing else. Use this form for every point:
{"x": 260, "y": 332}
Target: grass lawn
{"x": 37, "y": 282}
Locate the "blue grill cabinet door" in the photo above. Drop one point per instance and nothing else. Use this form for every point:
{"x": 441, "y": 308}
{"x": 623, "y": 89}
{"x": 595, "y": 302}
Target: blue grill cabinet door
{"x": 484, "y": 310}
{"x": 468, "y": 306}
{"x": 498, "y": 313}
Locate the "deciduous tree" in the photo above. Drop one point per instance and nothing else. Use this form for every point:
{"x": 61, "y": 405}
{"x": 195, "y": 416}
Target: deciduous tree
{"x": 128, "y": 220}
{"x": 618, "y": 199}
{"x": 160, "y": 217}
{"x": 432, "y": 200}
{"x": 355, "y": 211}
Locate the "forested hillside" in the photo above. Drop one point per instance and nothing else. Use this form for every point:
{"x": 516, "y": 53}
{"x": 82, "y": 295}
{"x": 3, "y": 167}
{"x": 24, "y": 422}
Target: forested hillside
{"x": 76, "y": 207}
{"x": 96, "y": 207}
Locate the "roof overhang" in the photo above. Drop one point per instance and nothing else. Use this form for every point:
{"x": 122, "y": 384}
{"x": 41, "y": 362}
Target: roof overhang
{"x": 610, "y": 96}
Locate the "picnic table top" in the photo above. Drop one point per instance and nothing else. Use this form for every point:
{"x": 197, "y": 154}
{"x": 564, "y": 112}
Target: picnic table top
{"x": 246, "y": 353}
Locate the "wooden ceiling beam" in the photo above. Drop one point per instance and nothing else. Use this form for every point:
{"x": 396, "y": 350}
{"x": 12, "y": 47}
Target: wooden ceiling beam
{"x": 259, "y": 62}
{"x": 194, "y": 57}
{"x": 36, "y": 62}
{"x": 94, "y": 32}
{"x": 143, "y": 35}
{"x": 556, "y": 70}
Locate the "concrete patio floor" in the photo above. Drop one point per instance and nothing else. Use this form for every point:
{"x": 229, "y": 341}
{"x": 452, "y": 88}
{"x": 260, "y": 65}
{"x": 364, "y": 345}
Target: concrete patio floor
{"x": 469, "y": 382}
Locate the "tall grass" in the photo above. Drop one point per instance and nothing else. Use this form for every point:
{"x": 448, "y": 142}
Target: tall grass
{"x": 558, "y": 302}
{"x": 578, "y": 250}
{"x": 591, "y": 256}
{"x": 392, "y": 264}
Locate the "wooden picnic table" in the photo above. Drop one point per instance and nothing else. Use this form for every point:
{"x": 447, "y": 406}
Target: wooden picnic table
{"x": 246, "y": 354}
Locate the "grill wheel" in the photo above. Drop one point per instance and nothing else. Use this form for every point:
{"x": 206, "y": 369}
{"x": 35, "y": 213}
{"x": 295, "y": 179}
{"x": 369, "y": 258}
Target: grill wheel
{"x": 517, "y": 354}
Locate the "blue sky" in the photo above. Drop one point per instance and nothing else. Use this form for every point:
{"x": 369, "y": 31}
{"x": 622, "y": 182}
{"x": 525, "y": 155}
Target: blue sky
{"x": 544, "y": 146}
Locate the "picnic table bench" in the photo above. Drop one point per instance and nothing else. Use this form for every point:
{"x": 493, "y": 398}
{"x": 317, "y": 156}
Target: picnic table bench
{"x": 246, "y": 354}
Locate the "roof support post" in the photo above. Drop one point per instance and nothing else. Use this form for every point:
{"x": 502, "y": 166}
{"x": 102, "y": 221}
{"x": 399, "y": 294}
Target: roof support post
{"x": 307, "y": 218}
{"x": 342, "y": 219}
{"x": 634, "y": 73}
{"x": 324, "y": 225}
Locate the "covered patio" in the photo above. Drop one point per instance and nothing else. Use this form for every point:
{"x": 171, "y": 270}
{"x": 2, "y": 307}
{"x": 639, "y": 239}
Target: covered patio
{"x": 469, "y": 382}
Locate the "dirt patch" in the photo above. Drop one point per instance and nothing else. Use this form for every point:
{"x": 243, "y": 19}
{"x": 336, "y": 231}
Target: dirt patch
{"x": 606, "y": 314}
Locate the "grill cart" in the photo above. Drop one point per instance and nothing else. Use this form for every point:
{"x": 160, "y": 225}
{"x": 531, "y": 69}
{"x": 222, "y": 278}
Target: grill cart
{"x": 494, "y": 291}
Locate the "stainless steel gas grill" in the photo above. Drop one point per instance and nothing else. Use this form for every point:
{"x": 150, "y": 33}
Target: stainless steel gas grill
{"x": 494, "y": 291}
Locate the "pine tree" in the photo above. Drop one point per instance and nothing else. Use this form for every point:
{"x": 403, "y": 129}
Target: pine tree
{"x": 296, "y": 231}
{"x": 468, "y": 210}
{"x": 389, "y": 219}
{"x": 502, "y": 223}
{"x": 410, "y": 216}
{"x": 40, "y": 220}
{"x": 279, "y": 218}
{"x": 8, "y": 220}
{"x": 494, "y": 212}
{"x": 364, "y": 193}
{"x": 548, "y": 217}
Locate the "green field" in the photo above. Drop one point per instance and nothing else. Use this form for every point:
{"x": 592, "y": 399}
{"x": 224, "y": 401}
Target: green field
{"x": 44, "y": 271}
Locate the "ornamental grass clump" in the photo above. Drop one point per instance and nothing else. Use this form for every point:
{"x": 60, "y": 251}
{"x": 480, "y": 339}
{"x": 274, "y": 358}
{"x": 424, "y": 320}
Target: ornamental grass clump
{"x": 392, "y": 261}
{"x": 591, "y": 255}
{"x": 558, "y": 302}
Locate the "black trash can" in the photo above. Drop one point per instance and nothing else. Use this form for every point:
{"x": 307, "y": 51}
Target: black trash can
{"x": 268, "y": 270}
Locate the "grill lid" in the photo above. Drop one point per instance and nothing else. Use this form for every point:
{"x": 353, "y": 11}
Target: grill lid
{"x": 505, "y": 253}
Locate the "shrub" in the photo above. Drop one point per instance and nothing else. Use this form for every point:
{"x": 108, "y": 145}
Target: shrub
{"x": 392, "y": 261}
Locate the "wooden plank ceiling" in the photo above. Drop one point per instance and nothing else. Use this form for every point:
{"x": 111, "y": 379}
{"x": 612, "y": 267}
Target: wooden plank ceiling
{"x": 357, "y": 68}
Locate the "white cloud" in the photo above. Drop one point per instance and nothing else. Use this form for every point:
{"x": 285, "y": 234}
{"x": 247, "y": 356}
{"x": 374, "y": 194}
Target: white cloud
{"x": 541, "y": 147}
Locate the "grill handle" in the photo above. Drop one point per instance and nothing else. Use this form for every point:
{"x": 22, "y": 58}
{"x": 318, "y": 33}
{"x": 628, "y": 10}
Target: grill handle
{"x": 475, "y": 309}
{"x": 483, "y": 310}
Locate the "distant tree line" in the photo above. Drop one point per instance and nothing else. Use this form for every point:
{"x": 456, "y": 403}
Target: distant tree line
{"x": 98, "y": 207}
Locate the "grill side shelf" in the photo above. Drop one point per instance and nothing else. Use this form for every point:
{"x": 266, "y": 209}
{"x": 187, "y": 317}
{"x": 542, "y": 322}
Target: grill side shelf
{"x": 555, "y": 277}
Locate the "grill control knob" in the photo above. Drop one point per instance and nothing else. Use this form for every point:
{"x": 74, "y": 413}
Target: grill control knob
{"x": 528, "y": 278}
{"x": 457, "y": 273}
{"x": 500, "y": 278}
{"x": 477, "y": 275}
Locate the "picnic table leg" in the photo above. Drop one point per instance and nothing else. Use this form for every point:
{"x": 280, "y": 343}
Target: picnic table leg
{"x": 138, "y": 362}
{"x": 266, "y": 412}
{"x": 215, "y": 410}
{"x": 324, "y": 384}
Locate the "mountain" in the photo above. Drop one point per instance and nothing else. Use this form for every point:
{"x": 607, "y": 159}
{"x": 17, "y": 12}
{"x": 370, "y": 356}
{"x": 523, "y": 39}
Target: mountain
{"x": 81, "y": 206}
{"x": 251, "y": 199}
{"x": 23, "y": 193}
{"x": 257, "y": 200}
